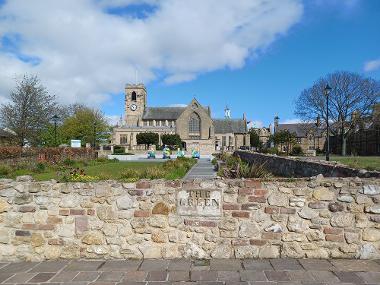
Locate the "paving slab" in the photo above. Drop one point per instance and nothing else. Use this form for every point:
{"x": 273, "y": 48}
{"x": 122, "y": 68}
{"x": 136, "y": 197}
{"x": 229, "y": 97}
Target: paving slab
{"x": 49, "y": 266}
{"x": 154, "y": 265}
{"x": 120, "y": 265}
{"x": 179, "y": 265}
{"x": 355, "y": 265}
{"x": 252, "y": 275}
{"x": 41, "y": 277}
{"x": 252, "y": 264}
{"x": 195, "y": 272}
{"x": 317, "y": 264}
{"x": 84, "y": 265}
{"x": 225, "y": 264}
{"x": 203, "y": 170}
{"x": 20, "y": 278}
{"x": 86, "y": 276}
{"x": 286, "y": 264}
{"x": 18, "y": 267}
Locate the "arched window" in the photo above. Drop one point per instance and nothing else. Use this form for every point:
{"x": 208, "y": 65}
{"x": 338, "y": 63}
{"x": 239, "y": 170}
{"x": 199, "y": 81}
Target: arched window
{"x": 194, "y": 125}
{"x": 134, "y": 96}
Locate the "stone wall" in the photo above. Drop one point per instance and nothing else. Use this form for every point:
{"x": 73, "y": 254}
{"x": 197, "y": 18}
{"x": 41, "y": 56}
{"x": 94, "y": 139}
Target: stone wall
{"x": 292, "y": 167}
{"x": 313, "y": 218}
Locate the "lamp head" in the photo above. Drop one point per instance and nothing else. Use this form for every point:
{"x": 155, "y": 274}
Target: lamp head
{"x": 327, "y": 90}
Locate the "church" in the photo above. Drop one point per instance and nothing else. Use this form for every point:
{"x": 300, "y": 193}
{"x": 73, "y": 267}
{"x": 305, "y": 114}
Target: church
{"x": 193, "y": 123}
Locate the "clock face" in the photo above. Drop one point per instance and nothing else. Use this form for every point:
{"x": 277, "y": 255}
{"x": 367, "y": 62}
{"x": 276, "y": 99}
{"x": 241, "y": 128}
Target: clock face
{"x": 133, "y": 107}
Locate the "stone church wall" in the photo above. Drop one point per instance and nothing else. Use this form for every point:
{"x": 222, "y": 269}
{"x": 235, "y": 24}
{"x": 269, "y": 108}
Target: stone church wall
{"x": 301, "y": 218}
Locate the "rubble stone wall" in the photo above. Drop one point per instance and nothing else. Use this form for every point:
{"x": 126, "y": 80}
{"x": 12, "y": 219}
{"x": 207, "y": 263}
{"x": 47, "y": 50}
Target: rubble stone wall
{"x": 293, "y": 167}
{"x": 301, "y": 218}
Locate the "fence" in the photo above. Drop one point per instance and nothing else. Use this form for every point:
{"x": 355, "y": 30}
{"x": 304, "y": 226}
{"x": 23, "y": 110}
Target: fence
{"x": 364, "y": 142}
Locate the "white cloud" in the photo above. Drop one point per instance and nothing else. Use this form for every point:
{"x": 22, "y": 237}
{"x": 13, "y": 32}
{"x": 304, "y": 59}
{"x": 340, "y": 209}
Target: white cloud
{"x": 112, "y": 119}
{"x": 372, "y": 65}
{"x": 291, "y": 121}
{"x": 178, "y": 105}
{"x": 87, "y": 54}
{"x": 255, "y": 124}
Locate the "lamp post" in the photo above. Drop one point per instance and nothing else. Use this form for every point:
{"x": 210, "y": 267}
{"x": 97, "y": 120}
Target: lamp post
{"x": 94, "y": 134}
{"x": 55, "y": 119}
{"x": 327, "y": 93}
{"x": 317, "y": 124}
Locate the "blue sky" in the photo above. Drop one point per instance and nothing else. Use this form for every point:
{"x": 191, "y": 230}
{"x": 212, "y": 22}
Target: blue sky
{"x": 258, "y": 67}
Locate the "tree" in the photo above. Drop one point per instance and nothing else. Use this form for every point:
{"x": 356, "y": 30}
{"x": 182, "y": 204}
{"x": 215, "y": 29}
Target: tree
{"x": 255, "y": 139}
{"x": 351, "y": 99}
{"x": 148, "y": 138}
{"x": 172, "y": 140}
{"x": 283, "y": 137}
{"x": 29, "y": 111}
{"x": 86, "y": 124}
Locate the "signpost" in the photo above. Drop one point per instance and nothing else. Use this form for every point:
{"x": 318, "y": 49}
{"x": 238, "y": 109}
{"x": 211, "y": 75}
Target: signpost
{"x": 76, "y": 143}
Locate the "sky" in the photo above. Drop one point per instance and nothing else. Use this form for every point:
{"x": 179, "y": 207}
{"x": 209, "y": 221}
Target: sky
{"x": 254, "y": 56}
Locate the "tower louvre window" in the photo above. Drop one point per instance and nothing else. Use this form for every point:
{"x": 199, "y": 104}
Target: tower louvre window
{"x": 134, "y": 96}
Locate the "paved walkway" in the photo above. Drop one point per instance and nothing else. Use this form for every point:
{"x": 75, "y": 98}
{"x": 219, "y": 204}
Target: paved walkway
{"x": 203, "y": 169}
{"x": 183, "y": 271}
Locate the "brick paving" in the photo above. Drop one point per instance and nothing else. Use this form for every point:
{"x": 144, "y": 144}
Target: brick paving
{"x": 186, "y": 272}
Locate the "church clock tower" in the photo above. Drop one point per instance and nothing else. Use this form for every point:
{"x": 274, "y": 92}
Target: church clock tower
{"x": 135, "y": 102}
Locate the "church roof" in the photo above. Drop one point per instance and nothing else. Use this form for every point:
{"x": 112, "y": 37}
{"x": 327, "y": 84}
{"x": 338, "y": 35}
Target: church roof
{"x": 299, "y": 129}
{"x": 162, "y": 113}
{"x": 223, "y": 126}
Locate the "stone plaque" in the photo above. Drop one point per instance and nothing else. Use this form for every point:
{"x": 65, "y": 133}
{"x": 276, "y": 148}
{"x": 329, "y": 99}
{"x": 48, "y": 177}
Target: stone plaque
{"x": 199, "y": 202}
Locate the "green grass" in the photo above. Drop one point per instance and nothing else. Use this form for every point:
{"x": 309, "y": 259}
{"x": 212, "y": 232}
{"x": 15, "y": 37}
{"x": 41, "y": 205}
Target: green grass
{"x": 102, "y": 170}
{"x": 362, "y": 162}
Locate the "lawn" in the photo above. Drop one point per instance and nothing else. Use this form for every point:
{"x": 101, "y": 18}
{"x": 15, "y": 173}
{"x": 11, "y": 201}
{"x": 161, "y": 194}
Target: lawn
{"x": 362, "y": 162}
{"x": 103, "y": 170}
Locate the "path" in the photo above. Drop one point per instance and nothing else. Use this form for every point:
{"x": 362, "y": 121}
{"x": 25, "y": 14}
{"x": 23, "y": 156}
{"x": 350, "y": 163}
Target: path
{"x": 203, "y": 169}
{"x": 197, "y": 272}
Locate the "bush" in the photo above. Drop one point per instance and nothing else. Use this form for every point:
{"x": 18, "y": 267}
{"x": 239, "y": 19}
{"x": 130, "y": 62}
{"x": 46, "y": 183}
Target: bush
{"x": 5, "y": 170}
{"x": 40, "y": 167}
{"x": 68, "y": 162}
{"x": 117, "y": 149}
{"x": 297, "y": 150}
{"x": 271, "y": 150}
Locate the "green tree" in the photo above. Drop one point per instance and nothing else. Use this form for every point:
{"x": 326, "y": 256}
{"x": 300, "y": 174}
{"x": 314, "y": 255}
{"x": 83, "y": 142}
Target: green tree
{"x": 147, "y": 139}
{"x": 87, "y": 125}
{"x": 255, "y": 139}
{"x": 352, "y": 97}
{"x": 283, "y": 138}
{"x": 30, "y": 110}
{"x": 172, "y": 140}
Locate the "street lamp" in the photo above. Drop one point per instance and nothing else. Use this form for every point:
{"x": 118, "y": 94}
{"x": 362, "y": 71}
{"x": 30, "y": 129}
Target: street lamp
{"x": 327, "y": 93}
{"x": 55, "y": 119}
{"x": 94, "y": 134}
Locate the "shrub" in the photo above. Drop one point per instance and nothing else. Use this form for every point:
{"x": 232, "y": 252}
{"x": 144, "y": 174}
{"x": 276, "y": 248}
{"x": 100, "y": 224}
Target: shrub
{"x": 271, "y": 150}
{"x": 117, "y": 149}
{"x": 68, "y": 162}
{"x": 5, "y": 170}
{"x": 297, "y": 150}
{"x": 40, "y": 167}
